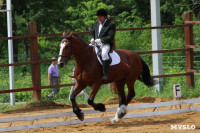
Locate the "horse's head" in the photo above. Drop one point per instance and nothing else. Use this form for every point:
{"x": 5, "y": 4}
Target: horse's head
{"x": 66, "y": 49}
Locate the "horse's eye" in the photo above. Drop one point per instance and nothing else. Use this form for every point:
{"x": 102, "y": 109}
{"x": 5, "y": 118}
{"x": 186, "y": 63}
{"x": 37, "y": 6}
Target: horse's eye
{"x": 66, "y": 46}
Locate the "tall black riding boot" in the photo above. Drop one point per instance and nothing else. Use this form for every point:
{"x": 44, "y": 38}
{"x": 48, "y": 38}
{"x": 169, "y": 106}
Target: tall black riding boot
{"x": 105, "y": 69}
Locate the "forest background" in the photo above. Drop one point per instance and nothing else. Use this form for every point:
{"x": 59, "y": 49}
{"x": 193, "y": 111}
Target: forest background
{"x": 54, "y": 16}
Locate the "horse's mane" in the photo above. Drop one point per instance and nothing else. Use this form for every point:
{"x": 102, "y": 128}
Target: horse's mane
{"x": 69, "y": 38}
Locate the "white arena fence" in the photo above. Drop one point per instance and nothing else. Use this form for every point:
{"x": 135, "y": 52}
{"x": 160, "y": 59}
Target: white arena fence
{"x": 34, "y": 124}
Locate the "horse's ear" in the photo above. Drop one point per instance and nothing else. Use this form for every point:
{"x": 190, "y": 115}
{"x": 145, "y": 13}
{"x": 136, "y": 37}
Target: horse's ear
{"x": 70, "y": 34}
{"x": 64, "y": 33}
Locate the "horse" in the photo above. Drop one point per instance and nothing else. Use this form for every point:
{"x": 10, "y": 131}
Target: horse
{"x": 88, "y": 72}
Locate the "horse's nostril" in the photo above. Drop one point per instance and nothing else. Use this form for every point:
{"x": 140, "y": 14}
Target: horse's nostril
{"x": 61, "y": 64}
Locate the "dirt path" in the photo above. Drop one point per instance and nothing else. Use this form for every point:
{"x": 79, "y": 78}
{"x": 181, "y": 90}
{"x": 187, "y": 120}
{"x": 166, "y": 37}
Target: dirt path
{"x": 161, "y": 124}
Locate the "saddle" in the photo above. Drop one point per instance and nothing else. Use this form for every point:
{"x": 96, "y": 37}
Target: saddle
{"x": 113, "y": 56}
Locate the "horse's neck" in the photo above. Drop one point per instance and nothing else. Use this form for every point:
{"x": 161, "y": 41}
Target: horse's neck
{"x": 80, "y": 46}
{"x": 83, "y": 53}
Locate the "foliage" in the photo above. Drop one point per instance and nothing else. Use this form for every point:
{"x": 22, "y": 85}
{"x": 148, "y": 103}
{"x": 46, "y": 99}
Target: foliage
{"x": 7, "y": 107}
{"x": 79, "y": 15}
{"x": 85, "y": 11}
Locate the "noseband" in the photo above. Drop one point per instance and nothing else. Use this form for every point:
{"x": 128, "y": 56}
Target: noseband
{"x": 63, "y": 45}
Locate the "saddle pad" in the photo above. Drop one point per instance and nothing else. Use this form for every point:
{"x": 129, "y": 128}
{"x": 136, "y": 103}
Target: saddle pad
{"x": 115, "y": 58}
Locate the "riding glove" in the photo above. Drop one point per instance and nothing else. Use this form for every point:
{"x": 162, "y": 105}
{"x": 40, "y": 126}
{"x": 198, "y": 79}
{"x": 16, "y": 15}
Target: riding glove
{"x": 98, "y": 42}
{"x": 92, "y": 41}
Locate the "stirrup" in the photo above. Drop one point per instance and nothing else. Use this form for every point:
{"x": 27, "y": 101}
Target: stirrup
{"x": 105, "y": 77}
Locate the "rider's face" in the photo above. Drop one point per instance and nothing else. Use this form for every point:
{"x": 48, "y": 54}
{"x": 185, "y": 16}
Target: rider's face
{"x": 101, "y": 19}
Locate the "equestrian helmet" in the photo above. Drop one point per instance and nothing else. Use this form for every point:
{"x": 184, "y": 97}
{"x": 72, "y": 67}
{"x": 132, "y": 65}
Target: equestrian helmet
{"x": 101, "y": 12}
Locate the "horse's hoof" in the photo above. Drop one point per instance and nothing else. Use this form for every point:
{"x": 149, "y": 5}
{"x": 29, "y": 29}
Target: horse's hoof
{"x": 114, "y": 120}
{"x": 101, "y": 107}
{"x": 121, "y": 115}
{"x": 81, "y": 116}
{"x": 121, "y": 112}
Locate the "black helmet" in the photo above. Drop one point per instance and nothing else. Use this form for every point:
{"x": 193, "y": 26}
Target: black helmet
{"x": 101, "y": 12}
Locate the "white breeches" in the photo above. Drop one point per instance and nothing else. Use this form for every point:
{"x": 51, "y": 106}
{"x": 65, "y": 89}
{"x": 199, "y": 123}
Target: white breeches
{"x": 104, "y": 52}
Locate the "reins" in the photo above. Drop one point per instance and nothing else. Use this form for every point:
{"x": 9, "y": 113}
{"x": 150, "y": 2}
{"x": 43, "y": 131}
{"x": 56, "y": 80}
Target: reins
{"x": 68, "y": 40}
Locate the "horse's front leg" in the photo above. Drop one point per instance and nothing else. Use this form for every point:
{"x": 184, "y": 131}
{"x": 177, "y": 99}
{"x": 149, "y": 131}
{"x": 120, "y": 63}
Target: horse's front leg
{"x": 78, "y": 88}
{"x": 93, "y": 92}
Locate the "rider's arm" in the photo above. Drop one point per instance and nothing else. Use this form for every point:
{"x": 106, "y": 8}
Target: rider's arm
{"x": 111, "y": 34}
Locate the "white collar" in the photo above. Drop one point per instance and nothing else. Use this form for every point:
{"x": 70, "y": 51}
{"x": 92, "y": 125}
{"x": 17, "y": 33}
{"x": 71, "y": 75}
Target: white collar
{"x": 104, "y": 22}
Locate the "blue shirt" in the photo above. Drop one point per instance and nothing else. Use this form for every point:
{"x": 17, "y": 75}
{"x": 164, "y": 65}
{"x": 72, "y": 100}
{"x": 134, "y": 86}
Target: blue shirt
{"x": 53, "y": 70}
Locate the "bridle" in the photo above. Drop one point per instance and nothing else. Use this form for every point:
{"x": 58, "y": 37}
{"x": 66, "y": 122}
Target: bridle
{"x": 66, "y": 43}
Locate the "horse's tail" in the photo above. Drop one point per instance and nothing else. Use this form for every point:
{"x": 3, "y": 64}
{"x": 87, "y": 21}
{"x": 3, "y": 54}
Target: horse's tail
{"x": 145, "y": 75}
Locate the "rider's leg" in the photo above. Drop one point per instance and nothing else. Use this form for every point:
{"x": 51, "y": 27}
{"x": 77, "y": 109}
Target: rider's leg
{"x": 105, "y": 60}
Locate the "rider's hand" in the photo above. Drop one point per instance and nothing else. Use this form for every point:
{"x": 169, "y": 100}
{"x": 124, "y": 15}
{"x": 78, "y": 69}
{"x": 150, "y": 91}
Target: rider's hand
{"x": 98, "y": 41}
{"x": 92, "y": 41}
{"x": 91, "y": 45}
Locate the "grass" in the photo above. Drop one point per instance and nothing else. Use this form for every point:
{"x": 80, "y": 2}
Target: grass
{"x": 63, "y": 96}
{"x": 104, "y": 93}
{"x": 8, "y": 107}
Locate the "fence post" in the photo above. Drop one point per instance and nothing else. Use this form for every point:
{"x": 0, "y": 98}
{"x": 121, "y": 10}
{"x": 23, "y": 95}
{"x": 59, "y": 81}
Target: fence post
{"x": 35, "y": 68}
{"x": 189, "y": 54}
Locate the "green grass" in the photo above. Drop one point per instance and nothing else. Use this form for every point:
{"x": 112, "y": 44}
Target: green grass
{"x": 8, "y": 107}
{"x": 104, "y": 92}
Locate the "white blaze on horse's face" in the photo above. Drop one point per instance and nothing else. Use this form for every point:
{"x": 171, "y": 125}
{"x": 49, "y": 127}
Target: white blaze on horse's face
{"x": 62, "y": 46}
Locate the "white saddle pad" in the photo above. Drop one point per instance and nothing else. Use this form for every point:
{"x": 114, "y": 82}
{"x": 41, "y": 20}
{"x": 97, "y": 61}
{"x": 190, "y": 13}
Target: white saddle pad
{"x": 115, "y": 58}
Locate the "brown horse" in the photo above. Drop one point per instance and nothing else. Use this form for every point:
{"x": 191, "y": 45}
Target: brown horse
{"x": 88, "y": 72}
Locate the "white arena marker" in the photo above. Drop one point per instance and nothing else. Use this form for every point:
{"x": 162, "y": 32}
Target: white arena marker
{"x": 177, "y": 90}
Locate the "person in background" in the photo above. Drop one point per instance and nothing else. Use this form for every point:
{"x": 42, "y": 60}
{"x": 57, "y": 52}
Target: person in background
{"x": 53, "y": 78}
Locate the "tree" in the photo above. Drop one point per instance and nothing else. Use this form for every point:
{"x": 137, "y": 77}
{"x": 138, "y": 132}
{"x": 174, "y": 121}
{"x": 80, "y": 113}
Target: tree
{"x": 83, "y": 15}
{"x": 79, "y": 15}
{"x": 49, "y": 15}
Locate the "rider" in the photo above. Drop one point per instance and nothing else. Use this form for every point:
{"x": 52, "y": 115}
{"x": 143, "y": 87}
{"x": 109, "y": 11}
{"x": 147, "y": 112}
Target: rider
{"x": 103, "y": 34}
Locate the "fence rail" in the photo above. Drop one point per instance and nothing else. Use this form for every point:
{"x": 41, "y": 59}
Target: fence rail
{"x": 34, "y": 88}
{"x": 189, "y": 46}
{"x": 140, "y": 52}
{"x": 88, "y": 32}
{"x": 33, "y": 125}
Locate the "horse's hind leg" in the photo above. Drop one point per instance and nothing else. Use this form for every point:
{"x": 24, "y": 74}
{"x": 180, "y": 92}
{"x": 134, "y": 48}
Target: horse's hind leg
{"x": 121, "y": 112}
{"x": 130, "y": 81}
{"x": 93, "y": 92}
{"x": 122, "y": 109}
{"x": 131, "y": 91}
